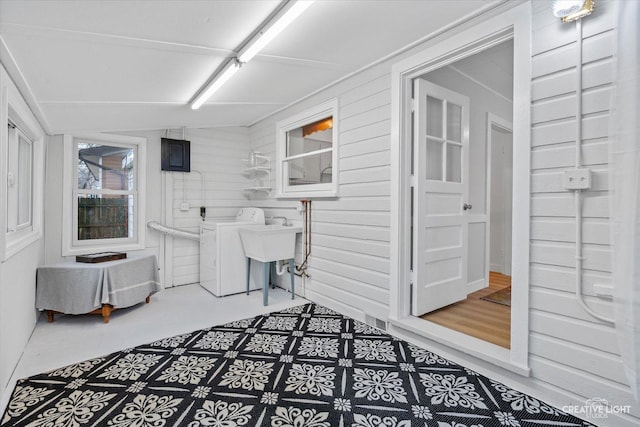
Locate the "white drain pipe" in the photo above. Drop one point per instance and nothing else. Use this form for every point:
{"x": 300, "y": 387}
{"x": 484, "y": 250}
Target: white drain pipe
{"x": 281, "y": 267}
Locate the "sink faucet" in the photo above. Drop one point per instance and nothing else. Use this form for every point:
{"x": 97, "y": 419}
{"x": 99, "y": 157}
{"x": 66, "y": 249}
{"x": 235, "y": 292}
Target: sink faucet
{"x": 284, "y": 219}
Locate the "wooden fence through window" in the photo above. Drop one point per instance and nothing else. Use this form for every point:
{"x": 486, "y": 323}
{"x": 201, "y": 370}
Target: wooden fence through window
{"x": 103, "y": 217}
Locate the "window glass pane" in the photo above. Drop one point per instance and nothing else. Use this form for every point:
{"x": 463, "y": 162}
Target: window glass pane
{"x": 295, "y": 142}
{"x": 312, "y": 137}
{"x": 102, "y": 167}
{"x": 305, "y": 148}
{"x": 454, "y": 122}
{"x": 105, "y": 216}
{"x": 434, "y": 117}
{"x": 25, "y": 157}
{"x": 312, "y": 169}
{"x": 454, "y": 163}
{"x": 326, "y": 167}
{"x": 434, "y": 159}
{"x": 296, "y": 172}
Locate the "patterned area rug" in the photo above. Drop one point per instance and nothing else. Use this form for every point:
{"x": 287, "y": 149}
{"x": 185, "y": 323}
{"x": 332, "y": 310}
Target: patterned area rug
{"x": 305, "y": 367}
{"x": 503, "y": 296}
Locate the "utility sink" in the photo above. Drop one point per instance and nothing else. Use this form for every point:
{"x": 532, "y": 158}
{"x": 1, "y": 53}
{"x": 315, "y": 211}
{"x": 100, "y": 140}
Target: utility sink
{"x": 267, "y": 243}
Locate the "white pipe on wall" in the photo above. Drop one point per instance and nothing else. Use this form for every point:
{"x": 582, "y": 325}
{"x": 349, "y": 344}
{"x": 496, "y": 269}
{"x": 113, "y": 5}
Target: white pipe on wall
{"x": 577, "y": 194}
{"x": 175, "y": 232}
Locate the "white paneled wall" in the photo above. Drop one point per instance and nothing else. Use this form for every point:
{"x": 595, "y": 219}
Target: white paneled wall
{"x": 18, "y": 271}
{"x": 569, "y": 348}
{"x": 216, "y": 153}
{"x": 218, "y": 156}
{"x": 572, "y": 356}
{"x": 349, "y": 264}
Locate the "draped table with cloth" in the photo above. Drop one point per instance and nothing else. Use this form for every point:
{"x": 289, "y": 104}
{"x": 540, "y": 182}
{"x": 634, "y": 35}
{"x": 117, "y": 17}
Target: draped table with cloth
{"x": 80, "y": 288}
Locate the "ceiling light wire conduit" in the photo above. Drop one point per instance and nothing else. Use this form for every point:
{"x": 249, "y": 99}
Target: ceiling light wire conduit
{"x": 577, "y": 194}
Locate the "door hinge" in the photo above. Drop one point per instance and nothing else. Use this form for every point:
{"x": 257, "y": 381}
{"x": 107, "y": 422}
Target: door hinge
{"x": 410, "y": 297}
{"x": 413, "y": 105}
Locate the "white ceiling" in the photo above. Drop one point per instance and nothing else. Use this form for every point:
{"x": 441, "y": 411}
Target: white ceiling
{"x": 492, "y": 67}
{"x": 125, "y": 65}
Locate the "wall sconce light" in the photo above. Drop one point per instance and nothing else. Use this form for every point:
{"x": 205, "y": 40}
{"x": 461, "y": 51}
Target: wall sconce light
{"x": 572, "y": 10}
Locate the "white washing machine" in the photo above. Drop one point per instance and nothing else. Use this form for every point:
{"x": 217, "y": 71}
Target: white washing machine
{"x": 223, "y": 266}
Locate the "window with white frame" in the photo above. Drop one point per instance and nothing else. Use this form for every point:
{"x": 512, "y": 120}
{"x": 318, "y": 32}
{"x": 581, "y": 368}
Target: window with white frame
{"x": 307, "y": 153}
{"x": 22, "y": 143}
{"x": 19, "y": 183}
{"x": 104, "y": 193}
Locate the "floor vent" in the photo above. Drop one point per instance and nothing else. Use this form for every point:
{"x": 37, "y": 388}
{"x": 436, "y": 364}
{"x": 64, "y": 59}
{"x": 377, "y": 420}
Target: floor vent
{"x": 381, "y": 324}
{"x": 378, "y": 323}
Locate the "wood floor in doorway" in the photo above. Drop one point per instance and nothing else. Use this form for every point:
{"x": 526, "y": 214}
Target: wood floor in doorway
{"x": 481, "y": 319}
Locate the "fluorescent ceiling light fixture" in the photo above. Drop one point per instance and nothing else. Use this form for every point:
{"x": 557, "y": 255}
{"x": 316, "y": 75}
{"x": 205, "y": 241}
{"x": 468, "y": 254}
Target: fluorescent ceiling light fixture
{"x": 229, "y": 70}
{"x": 269, "y": 32}
{"x": 571, "y": 10}
{"x": 285, "y": 16}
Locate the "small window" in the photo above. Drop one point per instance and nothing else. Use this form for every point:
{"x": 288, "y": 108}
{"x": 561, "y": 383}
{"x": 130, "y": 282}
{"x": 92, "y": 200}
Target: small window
{"x": 19, "y": 183}
{"x": 106, "y": 191}
{"x": 105, "y": 200}
{"x": 307, "y": 153}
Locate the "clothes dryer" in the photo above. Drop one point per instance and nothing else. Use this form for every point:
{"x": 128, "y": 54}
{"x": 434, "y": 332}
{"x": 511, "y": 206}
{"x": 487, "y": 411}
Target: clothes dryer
{"x": 223, "y": 265}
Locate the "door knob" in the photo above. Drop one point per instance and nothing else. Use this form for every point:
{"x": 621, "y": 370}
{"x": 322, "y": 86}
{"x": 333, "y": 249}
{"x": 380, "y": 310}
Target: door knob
{"x": 466, "y": 206}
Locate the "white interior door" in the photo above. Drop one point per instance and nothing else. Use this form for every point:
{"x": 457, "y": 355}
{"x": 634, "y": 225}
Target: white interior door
{"x": 441, "y": 181}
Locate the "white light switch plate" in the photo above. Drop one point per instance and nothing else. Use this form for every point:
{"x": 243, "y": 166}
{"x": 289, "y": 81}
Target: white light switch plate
{"x": 577, "y": 179}
{"x": 184, "y": 206}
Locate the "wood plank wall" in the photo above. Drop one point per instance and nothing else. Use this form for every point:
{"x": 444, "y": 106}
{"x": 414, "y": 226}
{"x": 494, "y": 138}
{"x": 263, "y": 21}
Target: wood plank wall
{"x": 218, "y": 153}
{"x": 349, "y": 265}
{"x": 571, "y": 354}
{"x": 569, "y": 348}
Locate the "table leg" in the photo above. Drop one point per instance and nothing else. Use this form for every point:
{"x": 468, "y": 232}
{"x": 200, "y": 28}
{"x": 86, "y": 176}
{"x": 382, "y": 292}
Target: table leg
{"x": 248, "y": 274}
{"x": 292, "y": 269}
{"x": 106, "y": 312}
{"x": 266, "y": 266}
{"x": 272, "y": 275}
{"x": 50, "y": 316}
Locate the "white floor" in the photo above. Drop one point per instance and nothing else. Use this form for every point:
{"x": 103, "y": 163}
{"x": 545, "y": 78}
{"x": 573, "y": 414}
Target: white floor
{"x": 71, "y": 339}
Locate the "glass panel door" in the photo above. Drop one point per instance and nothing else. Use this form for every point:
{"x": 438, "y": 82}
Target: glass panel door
{"x": 444, "y": 140}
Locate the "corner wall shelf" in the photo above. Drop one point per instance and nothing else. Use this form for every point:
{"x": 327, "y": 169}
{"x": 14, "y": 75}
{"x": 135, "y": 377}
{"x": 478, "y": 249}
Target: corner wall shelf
{"x": 258, "y": 189}
{"x": 256, "y": 171}
{"x": 259, "y": 171}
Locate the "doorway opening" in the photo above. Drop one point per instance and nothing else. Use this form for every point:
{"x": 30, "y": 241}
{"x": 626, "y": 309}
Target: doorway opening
{"x": 503, "y": 26}
{"x": 462, "y": 189}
